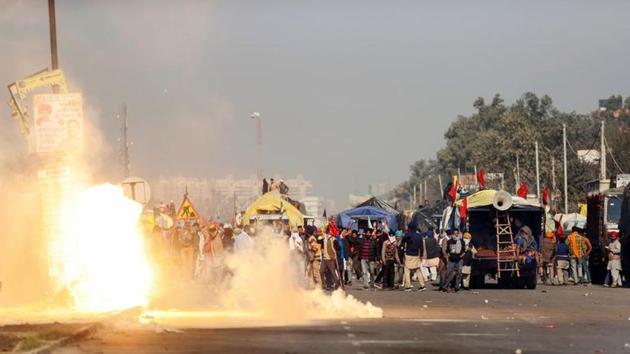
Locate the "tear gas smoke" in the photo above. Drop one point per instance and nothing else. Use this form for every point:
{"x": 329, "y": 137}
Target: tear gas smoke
{"x": 262, "y": 286}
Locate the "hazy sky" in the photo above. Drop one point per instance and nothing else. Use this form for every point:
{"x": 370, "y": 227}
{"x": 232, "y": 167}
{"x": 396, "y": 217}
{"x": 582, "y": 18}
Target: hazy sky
{"x": 351, "y": 92}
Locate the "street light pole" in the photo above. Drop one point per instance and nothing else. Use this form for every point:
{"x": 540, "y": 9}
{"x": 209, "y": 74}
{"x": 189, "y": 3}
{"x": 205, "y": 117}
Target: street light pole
{"x": 52, "y": 21}
{"x": 256, "y": 116}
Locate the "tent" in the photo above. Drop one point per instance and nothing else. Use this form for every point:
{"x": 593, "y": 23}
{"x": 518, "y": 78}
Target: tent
{"x": 430, "y": 216}
{"x": 375, "y": 202}
{"x": 349, "y": 218}
{"x": 272, "y": 203}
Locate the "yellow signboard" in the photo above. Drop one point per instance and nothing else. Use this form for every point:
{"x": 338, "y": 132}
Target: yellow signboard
{"x": 187, "y": 211}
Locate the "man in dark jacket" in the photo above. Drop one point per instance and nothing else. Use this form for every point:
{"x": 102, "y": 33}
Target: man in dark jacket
{"x": 354, "y": 252}
{"x": 412, "y": 241}
{"x": 431, "y": 256}
{"x": 455, "y": 249}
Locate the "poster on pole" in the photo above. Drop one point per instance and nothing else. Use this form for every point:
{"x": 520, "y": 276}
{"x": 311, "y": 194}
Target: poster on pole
{"x": 58, "y": 123}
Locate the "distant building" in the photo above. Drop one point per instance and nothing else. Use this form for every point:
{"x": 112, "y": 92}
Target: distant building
{"x": 588, "y": 156}
{"x": 314, "y": 206}
{"x": 221, "y": 198}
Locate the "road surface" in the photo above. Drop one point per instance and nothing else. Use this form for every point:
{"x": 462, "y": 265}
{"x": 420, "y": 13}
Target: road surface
{"x": 572, "y": 319}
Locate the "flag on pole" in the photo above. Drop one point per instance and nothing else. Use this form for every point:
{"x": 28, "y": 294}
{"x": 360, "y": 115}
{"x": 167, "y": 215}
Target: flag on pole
{"x": 463, "y": 209}
{"x": 481, "y": 179}
{"x": 522, "y": 191}
{"x": 545, "y": 195}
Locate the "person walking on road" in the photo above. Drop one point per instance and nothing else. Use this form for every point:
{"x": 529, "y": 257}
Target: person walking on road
{"x": 412, "y": 241}
{"x": 614, "y": 259}
{"x": 547, "y": 251}
{"x": 389, "y": 257}
{"x": 431, "y": 256}
{"x": 367, "y": 255}
{"x": 561, "y": 258}
{"x": 329, "y": 261}
{"x": 455, "y": 249}
{"x": 467, "y": 260}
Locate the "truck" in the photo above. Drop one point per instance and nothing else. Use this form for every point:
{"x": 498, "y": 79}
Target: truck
{"x": 498, "y": 257}
{"x": 603, "y": 214}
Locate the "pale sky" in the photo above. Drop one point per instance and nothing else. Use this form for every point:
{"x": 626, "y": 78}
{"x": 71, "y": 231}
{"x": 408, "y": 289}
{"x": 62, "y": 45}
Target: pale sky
{"x": 350, "y": 92}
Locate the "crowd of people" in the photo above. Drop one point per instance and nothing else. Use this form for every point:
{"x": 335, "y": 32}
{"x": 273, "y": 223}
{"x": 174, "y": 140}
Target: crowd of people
{"x": 380, "y": 259}
{"x": 376, "y": 258}
{"x": 565, "y": 258}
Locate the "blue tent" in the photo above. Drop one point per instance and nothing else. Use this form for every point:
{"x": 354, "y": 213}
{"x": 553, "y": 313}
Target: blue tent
{"x": 349, "y": 218}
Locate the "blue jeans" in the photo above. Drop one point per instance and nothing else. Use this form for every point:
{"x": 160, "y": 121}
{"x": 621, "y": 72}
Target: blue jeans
{"x": 369, "y": 270}
{"x": 578, "y": 265}
{"x": 585, "y": 270}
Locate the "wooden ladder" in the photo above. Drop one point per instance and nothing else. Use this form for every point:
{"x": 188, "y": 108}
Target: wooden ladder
{"x": 507, "y": 257}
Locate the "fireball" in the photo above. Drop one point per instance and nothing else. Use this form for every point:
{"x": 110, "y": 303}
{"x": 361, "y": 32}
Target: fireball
{"x": 102, "y": 255}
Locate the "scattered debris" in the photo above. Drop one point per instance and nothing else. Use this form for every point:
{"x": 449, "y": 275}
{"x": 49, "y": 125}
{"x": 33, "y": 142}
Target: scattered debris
{"x": 551, "y": 326}
{"x": 518, "y": 351}
{"x": 485, "y": 301}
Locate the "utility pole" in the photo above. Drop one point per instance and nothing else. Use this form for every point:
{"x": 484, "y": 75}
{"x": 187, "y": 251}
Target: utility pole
{"x": 564, "y": 152}
{"x": 537, "y": 173}
{"x": 441, "y": 187}
{"x": 124, "y": 143}
{"x": 518, "y": 173}
{"x": 425, "y": 192}
{"x": 256, "y": 116}
{"x": 553, "y": 179}
{"x": 52, "y": 22}
{"x": 415, "y": 200}
{"x": 602, "y": 159}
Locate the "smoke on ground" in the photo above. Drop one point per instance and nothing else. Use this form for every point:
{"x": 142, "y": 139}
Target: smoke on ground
{"x": 265, "y": 285}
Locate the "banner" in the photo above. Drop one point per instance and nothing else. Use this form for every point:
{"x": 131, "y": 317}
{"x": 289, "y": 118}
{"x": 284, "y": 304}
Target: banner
{"x": 58, "y": 123}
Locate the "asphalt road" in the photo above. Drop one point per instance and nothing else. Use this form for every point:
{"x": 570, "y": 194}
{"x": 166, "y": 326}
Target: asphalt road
{"x": 573, "y": 319}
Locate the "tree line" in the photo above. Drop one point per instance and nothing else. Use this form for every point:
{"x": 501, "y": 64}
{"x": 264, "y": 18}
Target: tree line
{"x": 497, "y": 135}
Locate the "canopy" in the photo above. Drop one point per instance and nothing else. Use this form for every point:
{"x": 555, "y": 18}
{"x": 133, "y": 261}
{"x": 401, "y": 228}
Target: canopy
{"x": 485, "y": 197}
{"x": 568, "y": 221}
{"x": 272, "y": 203}
{"x": 346, "y": 218}
{"x": 375, "y": 202}
{"x": 429, "y": 216}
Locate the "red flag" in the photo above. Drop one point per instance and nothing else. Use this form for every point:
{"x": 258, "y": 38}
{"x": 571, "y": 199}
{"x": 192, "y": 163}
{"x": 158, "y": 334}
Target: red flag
{"x": 545, "y": 196}
{"x": 522, "y": 191}
{"x": 481, "y": 179}
{"x": 332, "y": 227}
{"x": 453, "y": 193}
{"x": 463, "y": 209}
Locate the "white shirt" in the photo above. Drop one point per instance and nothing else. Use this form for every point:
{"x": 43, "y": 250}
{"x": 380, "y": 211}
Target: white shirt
{"x": 243, "y": 242}
{"x": 296, "y": 243}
